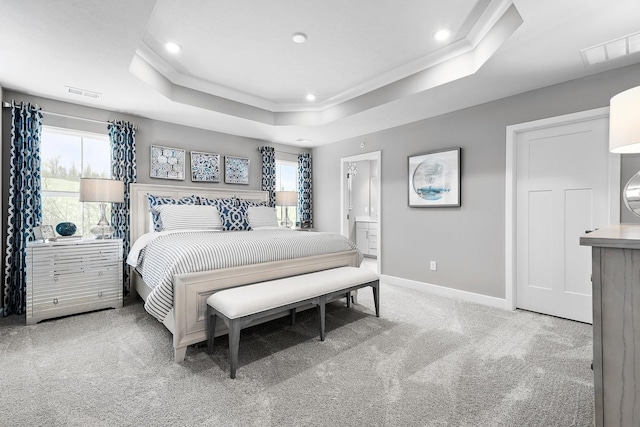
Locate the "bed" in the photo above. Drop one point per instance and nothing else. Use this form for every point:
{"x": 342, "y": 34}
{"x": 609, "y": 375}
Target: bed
{"x": 186, "y": 318}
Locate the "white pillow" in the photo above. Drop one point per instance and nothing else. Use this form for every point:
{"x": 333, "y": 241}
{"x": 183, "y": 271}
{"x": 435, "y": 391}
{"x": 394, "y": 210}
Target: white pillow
{"x": 180, "y": 217}
{"x": 262, "y": 216}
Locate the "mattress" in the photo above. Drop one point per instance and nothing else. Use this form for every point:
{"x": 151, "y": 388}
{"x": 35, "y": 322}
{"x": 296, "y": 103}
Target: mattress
{"x": 160, "y": 256}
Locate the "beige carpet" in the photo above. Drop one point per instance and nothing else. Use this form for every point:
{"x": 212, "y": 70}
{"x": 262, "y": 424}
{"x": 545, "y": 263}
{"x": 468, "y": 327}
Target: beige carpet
{"x": 428, "y": 361}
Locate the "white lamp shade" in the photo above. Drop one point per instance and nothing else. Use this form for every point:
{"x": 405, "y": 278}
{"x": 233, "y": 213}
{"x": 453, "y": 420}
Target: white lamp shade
{"x": 286, "y": 198}
{"x": 101, "y": 190}
{"x": 624, "y": 122}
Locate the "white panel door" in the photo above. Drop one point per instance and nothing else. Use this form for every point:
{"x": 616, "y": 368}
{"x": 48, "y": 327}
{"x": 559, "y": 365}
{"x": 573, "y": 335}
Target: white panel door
{"x": 562, "y": 191}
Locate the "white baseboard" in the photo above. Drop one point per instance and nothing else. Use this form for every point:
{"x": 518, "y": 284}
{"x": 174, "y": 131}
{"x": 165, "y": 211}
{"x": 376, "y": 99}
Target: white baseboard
{"x": 442, "y": 290}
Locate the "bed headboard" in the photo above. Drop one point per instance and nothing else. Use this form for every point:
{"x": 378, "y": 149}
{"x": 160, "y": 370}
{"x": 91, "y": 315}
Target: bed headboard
{"x": 140, "y": 206}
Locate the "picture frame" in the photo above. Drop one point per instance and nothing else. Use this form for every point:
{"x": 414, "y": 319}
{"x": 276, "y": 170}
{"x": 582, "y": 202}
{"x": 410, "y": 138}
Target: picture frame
{"x": 434, "y": 179}
{"x": 236, "y": 170}
{"x": 205, "y": 167}
{"x": 44, "y": 232}
{"x": 167, "y": 163}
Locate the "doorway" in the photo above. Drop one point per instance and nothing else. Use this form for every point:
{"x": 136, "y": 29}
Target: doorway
{"x": 561, "y": 181}
{"x": 360, "y": 203}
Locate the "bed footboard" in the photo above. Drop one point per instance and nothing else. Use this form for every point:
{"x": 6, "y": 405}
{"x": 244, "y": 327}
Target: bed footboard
{"x": 192, "y": 290}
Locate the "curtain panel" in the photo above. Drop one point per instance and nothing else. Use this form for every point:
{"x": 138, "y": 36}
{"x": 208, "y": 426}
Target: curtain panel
{"x": 269, "y": 173}
{"x": 123, "y": 167}
{"x": 24, "y": 210}
{"x": 305, "y": 190}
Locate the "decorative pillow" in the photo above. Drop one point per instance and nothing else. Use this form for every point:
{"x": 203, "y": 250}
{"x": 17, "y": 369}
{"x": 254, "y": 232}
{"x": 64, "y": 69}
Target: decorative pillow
{"x": 250, "y": 203}
{"x": 262, "y": 216}
{"x": 232, "y": 201}
{"x": 160, "y": 200}
{"x": 234, "y": 218}
{"x": 180, "y": 217}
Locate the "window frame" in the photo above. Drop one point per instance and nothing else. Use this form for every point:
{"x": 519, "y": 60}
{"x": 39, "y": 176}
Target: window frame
{"x": 83, "y": 135}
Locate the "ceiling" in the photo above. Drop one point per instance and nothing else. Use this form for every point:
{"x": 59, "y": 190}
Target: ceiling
{"x": 371, "y": 64}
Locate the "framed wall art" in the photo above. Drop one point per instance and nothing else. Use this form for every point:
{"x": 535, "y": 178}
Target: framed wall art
{"x": 236, "y": 170}
{"x": 434, "y": 179}
{"x": 205, "y": 167}
{"x": 167, "y": 162}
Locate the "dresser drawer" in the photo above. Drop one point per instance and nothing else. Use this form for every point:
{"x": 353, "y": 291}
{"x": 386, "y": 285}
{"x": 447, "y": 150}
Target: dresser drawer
{"x": 66, "y": 298}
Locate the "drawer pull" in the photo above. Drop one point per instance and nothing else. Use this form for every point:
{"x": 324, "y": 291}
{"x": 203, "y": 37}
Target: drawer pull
{"x": 55, "y": 301}
{"x": 55, "y": 278}
{"x": 100, "y": 294}
{"x": 100, "y": 273}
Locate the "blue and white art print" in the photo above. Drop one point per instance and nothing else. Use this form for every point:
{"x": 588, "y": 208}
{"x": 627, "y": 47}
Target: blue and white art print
{"x": 434, "y": 179}
{"x": 167, "y": 162}
{"x": 236, "y": 170}
{"x": 205, "y": 167}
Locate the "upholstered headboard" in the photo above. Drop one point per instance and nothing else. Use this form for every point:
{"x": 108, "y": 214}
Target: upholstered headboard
{"x": 140, "y": 216}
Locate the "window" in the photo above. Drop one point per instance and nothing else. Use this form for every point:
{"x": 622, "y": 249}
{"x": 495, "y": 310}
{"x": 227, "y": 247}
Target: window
{"x": 66, "y": 156}
{"x": 287, "y": 180}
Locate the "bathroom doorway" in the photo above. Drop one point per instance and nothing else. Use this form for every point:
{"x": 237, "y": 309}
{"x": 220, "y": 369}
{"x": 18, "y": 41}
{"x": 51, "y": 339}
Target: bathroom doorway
{"x": 360, "y": 202}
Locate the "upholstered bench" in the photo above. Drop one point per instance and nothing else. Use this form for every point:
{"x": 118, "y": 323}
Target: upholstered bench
{"x": 239, "y": 307}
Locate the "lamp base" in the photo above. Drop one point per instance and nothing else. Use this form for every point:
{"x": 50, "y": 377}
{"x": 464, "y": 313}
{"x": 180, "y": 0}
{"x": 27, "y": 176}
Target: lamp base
{"x": 102, "y": 230}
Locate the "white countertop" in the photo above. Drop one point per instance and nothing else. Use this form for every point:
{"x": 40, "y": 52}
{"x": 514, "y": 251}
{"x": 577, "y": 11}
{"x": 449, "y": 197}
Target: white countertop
{"x": 366, "y": 219}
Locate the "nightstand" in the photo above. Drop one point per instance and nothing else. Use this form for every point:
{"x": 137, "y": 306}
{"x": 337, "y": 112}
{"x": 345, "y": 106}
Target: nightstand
{"x": 72, "y": 276}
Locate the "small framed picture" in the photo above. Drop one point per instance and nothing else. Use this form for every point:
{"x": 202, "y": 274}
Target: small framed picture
{"x": 236, "y": 170}
{"x": 205, "y": 167}
{"x": 167, "y": 163}
{"x": 434, "y": 179}
{"x": 44, "y": 232}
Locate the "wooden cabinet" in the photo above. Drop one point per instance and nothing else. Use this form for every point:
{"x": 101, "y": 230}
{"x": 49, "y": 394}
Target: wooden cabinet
{"x": 72, "y": 276}
{"x": 616, "y": 323}
{"x": 367, "y": 237}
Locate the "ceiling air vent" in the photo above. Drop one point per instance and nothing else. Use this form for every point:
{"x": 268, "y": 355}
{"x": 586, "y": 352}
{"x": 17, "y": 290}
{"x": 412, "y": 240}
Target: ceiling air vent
{"x": 82, "y": 92}
{"x": 610, "y": 50}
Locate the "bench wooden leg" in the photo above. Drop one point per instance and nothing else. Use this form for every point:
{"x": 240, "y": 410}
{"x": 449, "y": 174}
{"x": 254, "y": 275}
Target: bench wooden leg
{"x": 348, "y": 299}
{"x": 234, "y": 344}
{"x": 376, "y": 297}
{"x": 321, "y": 308}
{"x": 293, "y": 316}
{"x": 211, "y": 330}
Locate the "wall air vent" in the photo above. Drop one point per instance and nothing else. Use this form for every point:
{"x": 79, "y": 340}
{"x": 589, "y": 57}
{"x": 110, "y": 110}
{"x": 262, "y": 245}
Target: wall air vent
{"x": 82, "y": 92}
{"x": 610, "y": 50}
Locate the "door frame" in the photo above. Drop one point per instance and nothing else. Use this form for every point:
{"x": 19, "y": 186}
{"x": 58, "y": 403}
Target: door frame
{"x": 511, "y": 187}
{"x": 372, "y": 155}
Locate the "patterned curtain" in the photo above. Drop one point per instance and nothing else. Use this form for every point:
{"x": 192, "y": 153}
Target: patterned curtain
{"x": 305, "y": 190}
{"x": 123, "y": 167}
{"x": 25, "y": 202}
{"x": 269, "y": 173}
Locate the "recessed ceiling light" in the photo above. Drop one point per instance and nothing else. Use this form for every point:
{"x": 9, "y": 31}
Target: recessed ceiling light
{"x": 442, "y": 35}
{"x": 172, "y": 47}
{"x": 304, "y": 140}
{"x": 311, "y": 97}
{"x": 299, "y": 37}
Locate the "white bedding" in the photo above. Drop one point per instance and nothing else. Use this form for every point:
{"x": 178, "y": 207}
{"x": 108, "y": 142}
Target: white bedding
{"x": 159, "y": 256}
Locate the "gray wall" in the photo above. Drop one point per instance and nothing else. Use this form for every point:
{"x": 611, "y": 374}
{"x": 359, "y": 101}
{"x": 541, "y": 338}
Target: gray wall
{"x": 467, "y": 242}
{"x": 154, "y": 132}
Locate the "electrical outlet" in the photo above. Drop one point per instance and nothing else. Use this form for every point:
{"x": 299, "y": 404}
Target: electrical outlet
{"x": 433, "y": 266}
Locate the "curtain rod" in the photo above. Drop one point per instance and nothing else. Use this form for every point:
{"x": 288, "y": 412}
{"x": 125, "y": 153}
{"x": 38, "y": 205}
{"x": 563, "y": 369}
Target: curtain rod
{"x": 6, "y": 104}
{"x": 286, "y": 152}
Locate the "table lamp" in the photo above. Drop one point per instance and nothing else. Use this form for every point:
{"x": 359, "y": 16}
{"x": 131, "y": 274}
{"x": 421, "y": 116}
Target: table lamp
{"x": 286, "y": 199}
{"x": 102, "y": 191}
{"x": 624, "y": 137}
